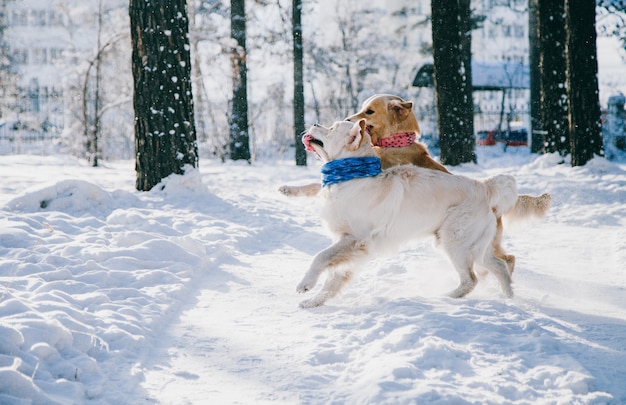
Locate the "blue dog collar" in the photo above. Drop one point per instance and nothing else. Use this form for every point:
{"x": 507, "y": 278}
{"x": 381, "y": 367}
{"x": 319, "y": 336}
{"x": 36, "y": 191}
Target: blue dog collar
{"x": 341, "y": 170}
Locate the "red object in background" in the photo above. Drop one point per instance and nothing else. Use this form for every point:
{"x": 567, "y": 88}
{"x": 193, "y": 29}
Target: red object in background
{"x": 486, "y": 138}
{"x": 513, "y": 137}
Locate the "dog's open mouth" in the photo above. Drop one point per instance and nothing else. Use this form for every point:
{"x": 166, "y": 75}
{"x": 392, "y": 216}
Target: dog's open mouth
{"x": 308, "y": 141}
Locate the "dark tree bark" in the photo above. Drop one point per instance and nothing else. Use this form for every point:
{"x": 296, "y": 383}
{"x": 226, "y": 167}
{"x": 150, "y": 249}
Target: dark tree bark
{"x": 453, "y": 81}
{"x": 298, "y": 82}
{"x": 165, "y": 136}
{"x": 552, "y": 40}
{"x": 465, "y": 32}
{"x": 239, "y": 138}
{"x": 536, "y": 125}
{"x": 582, "y": 81}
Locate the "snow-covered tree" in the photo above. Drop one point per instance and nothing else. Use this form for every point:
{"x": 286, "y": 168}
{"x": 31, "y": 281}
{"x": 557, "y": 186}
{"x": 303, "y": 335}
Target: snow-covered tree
{"x": 165, "y": 137}
{"x": 210, "y": 49}
{"x": 614, "y": 12}
{"x": 552, "y": 41}
{"x": 94, "y": 91}
{"x": 582, "y": 81}
{"x": 536, "y": 125}
{"x": 298, "y": 81}
{"x": 239, "y": 137}
{"x": 453, "y": 82}
{"x": 97, "y": 79}
{"x": 345, "y": 63}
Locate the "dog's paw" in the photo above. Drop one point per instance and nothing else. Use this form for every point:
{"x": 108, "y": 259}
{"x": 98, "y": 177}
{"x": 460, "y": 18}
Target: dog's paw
{"x": 304, "y": 286}
{"x": 286, "y": 190}
{"x": 307, "y": 283}
{"x": 508, "y": 291}
{"x": 311, "y": 303}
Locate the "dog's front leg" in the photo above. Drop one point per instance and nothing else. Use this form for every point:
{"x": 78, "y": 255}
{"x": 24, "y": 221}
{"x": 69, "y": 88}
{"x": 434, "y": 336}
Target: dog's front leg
{"x": 322, "y": 261}
{"x": 344, "y": 251}
{"x": 334, "y": 283}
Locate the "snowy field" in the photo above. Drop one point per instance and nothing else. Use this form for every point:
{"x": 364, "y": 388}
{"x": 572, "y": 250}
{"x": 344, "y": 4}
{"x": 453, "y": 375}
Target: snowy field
{"x": 186, "y": 294}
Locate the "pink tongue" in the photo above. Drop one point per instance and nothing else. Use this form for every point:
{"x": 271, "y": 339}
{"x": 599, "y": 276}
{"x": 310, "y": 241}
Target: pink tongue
{"x": 306, "y": 140}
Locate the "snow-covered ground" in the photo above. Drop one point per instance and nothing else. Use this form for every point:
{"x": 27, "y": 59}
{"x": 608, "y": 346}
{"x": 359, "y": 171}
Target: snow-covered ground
{"x": 186, "y": 294}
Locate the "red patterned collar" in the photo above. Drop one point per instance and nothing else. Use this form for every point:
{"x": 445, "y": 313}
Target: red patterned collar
{"x": 397, "y": 140}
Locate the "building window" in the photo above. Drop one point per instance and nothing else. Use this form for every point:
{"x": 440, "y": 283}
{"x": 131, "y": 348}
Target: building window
{"x": 39, "y": 56}
{"x": 19, "y": 18}
{"x": 55, "y": 19}
{"x": 38, "y": 18}
{"x": 20, "y": 56}
{"x": 55, "y": 54}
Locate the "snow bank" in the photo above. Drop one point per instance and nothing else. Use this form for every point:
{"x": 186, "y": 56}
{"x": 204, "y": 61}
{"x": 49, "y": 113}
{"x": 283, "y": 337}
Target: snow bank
{"x": 185, "y": 294}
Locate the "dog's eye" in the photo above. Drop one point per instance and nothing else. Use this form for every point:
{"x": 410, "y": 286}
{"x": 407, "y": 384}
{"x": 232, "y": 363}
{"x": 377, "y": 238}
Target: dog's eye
{"x": 369, "y": 112}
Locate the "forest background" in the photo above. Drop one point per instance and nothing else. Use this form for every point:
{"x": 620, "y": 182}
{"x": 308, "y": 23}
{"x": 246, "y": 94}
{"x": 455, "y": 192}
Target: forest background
{"x": 351, "y": 51}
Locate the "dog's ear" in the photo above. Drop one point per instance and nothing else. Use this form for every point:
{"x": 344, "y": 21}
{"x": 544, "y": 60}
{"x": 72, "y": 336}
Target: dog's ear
{"x": 356, "y": 135}
{"x": 400, "y": 108}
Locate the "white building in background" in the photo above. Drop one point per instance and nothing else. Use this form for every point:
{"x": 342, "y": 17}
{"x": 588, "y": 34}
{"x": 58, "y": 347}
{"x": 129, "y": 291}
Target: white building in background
{"x": 52, "y": 45}
{"x": 502, "y": 40}
{"x": 499, "y": 55}
{"x": 49, "y": 41}
{"x": 38, "y": 38}
{"x": 503, "y": 33}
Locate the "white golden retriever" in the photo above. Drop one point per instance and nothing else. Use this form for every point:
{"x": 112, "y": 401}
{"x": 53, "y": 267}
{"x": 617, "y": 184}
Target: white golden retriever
{"x": 371, "y": 212}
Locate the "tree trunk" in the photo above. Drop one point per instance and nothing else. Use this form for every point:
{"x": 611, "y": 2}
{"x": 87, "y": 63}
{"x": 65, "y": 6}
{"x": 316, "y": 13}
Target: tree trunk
{"x": 239, "y": 139}
{"x": 582, "y": 81}
{"x": 552, "y": 38}
{"x": 465, "y": 23}
{"x": 96, "y": 100}
{"x": 536, "y": 125}
{"x": 91, "y": 122}
{"x": 298, "y": 82}
{"x": 165, "y": 136}
{"x": 453, "y": 81}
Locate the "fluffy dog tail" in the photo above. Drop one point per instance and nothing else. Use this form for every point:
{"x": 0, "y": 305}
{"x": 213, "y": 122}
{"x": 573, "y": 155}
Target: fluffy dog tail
{"x": 529, "y": 207}
{"x": 502, "y": 193}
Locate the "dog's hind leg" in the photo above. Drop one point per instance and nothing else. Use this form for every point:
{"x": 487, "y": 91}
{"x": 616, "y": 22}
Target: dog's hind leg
{"x": 500, "y": 270}
{"x": 334, "y": 283}
{"x": 460, "y": 259}
{"x": 453, "y": 238}
{"x": 467, "y": 282}
{"x": 498, "y": 250}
